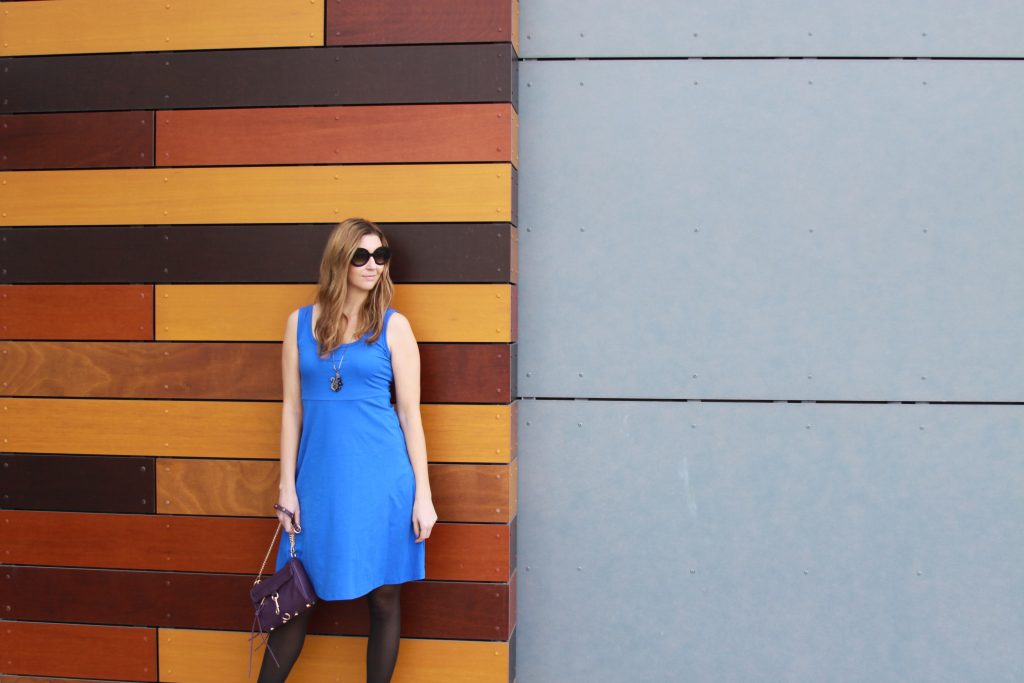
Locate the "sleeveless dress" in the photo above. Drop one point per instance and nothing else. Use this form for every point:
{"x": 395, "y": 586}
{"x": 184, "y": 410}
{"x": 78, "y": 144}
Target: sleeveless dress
{"x": 353, "y": 476}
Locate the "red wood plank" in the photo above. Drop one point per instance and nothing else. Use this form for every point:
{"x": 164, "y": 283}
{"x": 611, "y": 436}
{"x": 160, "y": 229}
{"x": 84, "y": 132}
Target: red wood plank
{"x": 76, "y": 311}
{"x": 396, "y": 22}
{"x": 233, "y": 545}
{"x": 430, "y": 609}
{"x": 112, "y": 652}
{"x": 350, "y": 135}
{"x": 82, "y": 140}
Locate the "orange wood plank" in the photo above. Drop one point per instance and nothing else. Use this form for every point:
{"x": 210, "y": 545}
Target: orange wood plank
{"x": 338, "y": 135}
{"x": 221, "y": 429}
{"x": 195, "y": 656}
{"x": 84, "y": 26}
{"x": 113, "y": 652}
{"x": 461, "y": 493}
{"x": 233, "y": 545}
{"x": 76, "y": 311}
{"x": 388, "y": 193}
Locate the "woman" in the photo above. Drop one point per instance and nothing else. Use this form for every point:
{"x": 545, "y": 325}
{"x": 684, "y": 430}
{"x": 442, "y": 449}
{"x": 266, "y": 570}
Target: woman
{"x": 352, "y": 471}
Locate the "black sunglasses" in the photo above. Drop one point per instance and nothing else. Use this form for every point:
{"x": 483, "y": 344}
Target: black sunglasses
{"x": 380, "y": 255}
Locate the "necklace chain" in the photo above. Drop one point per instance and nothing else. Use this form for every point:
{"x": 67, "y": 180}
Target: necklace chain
{"x": 335, "y": 380}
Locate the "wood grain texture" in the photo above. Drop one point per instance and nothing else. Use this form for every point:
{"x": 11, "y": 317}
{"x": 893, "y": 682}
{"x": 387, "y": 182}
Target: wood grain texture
{"x": 280, "y": 77}
{"x": 438, "y": 313}
{"x": 461, "y": 493}
{"x": 450, "y": 373}
{"x": 430, "y": 609}
{"x": 193, "y": 656}
{"x": 221, "y": 429}
{"x": 230, "y": 545}
{"x": 388, "y": 193}
{"x": 422, "y": 253}
{"x": 112, "y": 427}
{"x": 81, "y": 26}
{"x": 112, "y": 652}
{"x": 89, "y": 140}
{"x": 76, "y": 311}
{"x": 337, "y": 135}
{"x": 76, "y": 482}
{"x": 39, "y": 679}
{"x": 394, "y": 22}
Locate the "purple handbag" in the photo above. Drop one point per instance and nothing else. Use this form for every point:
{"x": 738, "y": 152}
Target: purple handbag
{"x": 282, "y": 596}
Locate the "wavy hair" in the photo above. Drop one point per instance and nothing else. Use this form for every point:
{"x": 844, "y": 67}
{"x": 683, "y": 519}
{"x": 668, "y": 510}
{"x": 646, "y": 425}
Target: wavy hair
{"x": 333, "y": 286}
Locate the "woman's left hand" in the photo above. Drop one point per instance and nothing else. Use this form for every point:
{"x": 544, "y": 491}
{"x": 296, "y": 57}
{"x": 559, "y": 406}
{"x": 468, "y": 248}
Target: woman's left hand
{"x": 423, "y": 518}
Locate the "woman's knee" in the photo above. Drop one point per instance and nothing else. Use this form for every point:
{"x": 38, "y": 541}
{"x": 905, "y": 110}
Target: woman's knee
{"x": 385, "y": 599}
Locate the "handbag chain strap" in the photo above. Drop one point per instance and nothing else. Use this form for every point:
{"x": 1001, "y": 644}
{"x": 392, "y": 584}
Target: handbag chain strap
{"x": 291, "y": 543}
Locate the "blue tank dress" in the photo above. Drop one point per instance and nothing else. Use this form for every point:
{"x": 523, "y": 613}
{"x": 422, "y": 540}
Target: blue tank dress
{"x": 353, "y": 476}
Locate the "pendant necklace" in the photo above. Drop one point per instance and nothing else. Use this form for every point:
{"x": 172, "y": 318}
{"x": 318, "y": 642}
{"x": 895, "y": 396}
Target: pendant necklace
{"x": 336, "y": 383}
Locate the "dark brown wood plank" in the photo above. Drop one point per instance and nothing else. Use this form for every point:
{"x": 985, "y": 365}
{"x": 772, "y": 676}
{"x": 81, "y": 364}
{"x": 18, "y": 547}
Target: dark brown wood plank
{"x": 425, "y": 133}
{"x": 84, "y": 140}
{"x": 395, "y": 22}
{"x": 430, "y": 609}
{"x": 232, "y": 545}
{"x": 112, "y": 652}
{"x": 76, "y": 311}
{"x": 77, "y": 482}
{"x": 424, "y": 253}
{"x": 450, "y": 373}
{"x": 260, "y": 78}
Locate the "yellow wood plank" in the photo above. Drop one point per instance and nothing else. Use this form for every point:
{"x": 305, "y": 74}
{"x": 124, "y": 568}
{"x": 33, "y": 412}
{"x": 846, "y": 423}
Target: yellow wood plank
{"x": 197, "y": 656}
{"x": 472, "y": 433}
{"x": 248, "y": 488}
{"x": 83, "y": 26}
{"x": 258, "y": 194}
{"x": 219, "y": 429}
{"x": 438, "y": 313}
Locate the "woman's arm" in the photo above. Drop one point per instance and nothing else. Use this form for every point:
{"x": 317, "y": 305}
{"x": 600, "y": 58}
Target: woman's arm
{"x": 291, "y": 421}
{"x": 405, "y": 361}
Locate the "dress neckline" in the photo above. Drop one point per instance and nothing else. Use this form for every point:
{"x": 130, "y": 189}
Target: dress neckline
{"x": 313, "y": 335}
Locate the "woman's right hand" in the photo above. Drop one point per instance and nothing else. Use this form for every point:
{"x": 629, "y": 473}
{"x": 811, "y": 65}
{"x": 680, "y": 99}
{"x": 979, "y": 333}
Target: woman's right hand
{"x": 289, "y": 500}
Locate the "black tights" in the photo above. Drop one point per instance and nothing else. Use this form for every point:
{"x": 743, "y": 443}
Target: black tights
{"x": 381, "y": 647}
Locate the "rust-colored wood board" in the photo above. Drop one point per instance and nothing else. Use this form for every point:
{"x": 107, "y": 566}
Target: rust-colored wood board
{"x": 193, "y": 656}
{"x": 438, "y": 313}
{"x": 82, "y": 26}
{"x": 286, "y": 77}
{"x": 112, "y": 652}
{"x": 258, "y": 194}
{"x": 39, "y": 679}
{"x": 77, "y": 482}
{"x": 122, "y": 139}
{"x": 467, "y": 373}
{"x": 200, "y": 370}
{"x": 430, "y": 609}
{"x": 220, "y": 429}
{"x": 461, "y": 492}
{"x": 76, "y": 311}
{"x": 396, "y": 22}
{"x": 256, "y": 253}
{"x": 450, "y": 373}
{"x": 336, "y": 135}
{"x": 231, "y": 545}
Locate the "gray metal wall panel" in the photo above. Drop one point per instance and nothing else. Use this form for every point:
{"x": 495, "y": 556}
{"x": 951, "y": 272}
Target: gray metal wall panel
{"x": 772, "y": 229}
{"x": 662, "y": 28}
{"x": 726, "y": 542}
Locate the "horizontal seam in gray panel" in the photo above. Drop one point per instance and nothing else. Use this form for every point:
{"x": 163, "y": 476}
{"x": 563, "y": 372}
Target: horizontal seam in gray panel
{"x": 767, "y": 400}
{"x": 626, "y": 58}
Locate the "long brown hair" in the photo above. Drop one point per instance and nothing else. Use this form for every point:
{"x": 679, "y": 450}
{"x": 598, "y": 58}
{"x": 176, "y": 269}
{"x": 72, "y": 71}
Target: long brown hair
{"x": 333, "y": 286}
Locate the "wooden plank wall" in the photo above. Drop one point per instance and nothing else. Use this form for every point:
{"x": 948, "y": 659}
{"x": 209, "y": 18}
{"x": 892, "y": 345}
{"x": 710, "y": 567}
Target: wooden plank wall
{"x": 169, "y": 171}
